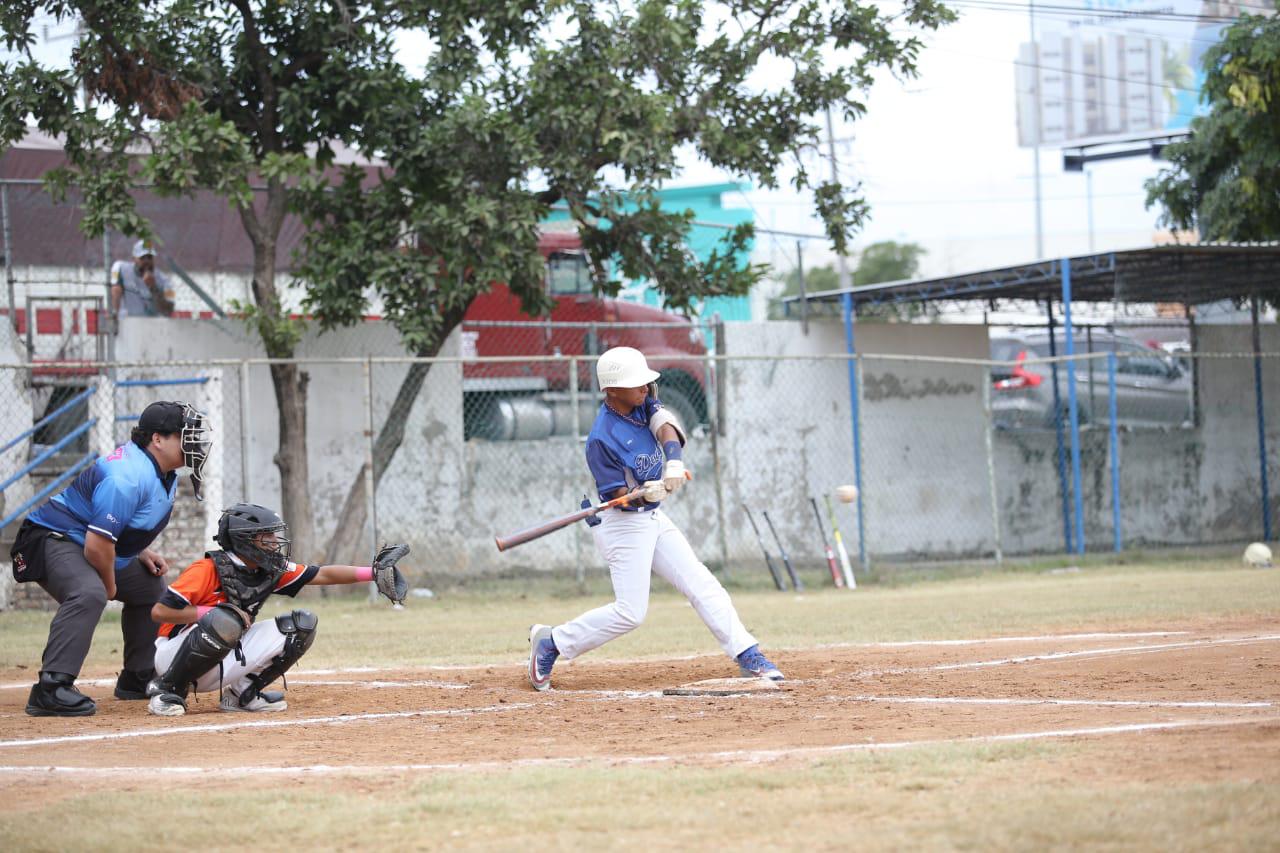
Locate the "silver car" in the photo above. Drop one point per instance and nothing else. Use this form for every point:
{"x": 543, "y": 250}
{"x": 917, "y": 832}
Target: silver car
{"x": 1153, "y": 389}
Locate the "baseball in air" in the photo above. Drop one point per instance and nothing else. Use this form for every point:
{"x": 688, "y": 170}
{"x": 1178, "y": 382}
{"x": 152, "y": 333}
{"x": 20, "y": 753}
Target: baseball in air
{"x": 1258, "y": 555}
{"x": 847, "y": 494}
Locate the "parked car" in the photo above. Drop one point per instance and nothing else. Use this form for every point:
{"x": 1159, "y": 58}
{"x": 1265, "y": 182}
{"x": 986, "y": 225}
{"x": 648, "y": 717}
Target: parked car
{"x": 1152, "y": 387}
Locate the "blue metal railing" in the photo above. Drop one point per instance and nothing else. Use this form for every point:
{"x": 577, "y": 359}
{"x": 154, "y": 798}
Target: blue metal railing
{"x": 18, "y": 513}
{"x": 52, "y": 449}
{"x": 83, "y": 395}
{"x": 152, "y": 383}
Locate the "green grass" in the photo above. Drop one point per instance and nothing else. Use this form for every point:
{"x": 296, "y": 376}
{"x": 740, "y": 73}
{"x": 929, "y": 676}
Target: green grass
{"x": 1061, "y": 794}
{"x": 488, "y": 622}
{"x": 966, "y": 797}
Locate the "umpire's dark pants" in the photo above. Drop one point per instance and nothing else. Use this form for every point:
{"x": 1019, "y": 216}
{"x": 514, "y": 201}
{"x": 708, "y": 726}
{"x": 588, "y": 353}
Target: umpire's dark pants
{"x": 81, "y": 598}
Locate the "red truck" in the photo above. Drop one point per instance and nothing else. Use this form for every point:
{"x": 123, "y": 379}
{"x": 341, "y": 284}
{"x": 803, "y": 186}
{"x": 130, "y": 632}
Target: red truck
{"x": 528, "y": 400}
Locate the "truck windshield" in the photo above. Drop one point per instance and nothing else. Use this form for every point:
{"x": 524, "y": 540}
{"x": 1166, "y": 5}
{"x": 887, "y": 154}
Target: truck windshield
{"x": 567, "y": 274}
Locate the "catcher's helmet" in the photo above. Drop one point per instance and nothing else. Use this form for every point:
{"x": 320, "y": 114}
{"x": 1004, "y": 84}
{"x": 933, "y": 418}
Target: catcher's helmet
{"x": 239, "y": 529}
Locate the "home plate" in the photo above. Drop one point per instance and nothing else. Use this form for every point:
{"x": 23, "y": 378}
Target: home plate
{"x": 723, "y": 687}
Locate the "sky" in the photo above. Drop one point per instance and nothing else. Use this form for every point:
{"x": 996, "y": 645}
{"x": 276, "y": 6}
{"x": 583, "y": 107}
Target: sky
{"x": 939, "y": 162}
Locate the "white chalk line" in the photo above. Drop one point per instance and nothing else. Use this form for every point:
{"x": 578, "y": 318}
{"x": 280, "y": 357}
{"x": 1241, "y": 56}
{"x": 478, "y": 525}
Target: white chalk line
{"x": 1105, "y": 703}
{"x": 108, "y": 682}
{"x": 269, "y": 724}
{"x": 1051, "y": 656}
{"x": 380, "y": 685}
{"x": 758, "y": 756}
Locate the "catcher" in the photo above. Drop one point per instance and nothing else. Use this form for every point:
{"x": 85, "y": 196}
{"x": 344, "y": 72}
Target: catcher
{"x": 210, "y": 639}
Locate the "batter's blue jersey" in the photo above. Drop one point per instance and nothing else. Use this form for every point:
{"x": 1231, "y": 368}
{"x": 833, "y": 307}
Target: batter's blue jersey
{"x": 621, "y": 451}
{"x": 123, "y": 496}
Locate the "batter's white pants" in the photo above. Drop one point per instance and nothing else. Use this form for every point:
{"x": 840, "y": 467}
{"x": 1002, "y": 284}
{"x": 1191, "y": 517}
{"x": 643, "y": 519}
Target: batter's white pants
{"x": 633, "y": 544}
{"x": 262, "y": 642}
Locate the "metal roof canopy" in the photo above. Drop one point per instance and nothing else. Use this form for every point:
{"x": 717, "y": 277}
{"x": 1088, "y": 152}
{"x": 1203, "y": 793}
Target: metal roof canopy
{"x": 1191, "y": 274}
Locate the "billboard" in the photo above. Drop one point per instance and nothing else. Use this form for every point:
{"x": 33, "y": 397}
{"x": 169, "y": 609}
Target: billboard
{"x": 1102, "y": 70}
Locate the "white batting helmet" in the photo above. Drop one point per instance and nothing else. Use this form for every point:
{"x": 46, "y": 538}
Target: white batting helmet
{"x": 624, "y": 367}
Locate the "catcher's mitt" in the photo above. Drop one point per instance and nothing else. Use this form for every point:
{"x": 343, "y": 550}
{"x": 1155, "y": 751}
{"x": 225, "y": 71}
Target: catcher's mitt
{"x": 390, "y": 581}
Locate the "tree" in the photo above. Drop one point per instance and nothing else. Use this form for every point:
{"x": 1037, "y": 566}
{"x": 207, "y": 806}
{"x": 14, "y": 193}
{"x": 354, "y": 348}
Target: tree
{"x": 888, "y": 261}
{"x": 815, "y": 279}
{"x": 520, "y": 106}
{"x": 1224, "y": 181}
{"x": 883, "y": 261}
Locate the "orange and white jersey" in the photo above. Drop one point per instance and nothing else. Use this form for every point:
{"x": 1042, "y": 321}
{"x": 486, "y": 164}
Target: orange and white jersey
{"x": 199, "y": 585}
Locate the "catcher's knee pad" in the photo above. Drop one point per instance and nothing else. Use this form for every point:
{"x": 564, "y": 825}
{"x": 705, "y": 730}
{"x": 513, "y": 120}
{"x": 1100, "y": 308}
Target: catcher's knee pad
{"x": 299, "y": 629}
{"x": 223, "y": 625}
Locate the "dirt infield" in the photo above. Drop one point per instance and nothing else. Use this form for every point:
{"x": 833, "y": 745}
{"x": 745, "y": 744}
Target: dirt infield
{"x": 1181, "y": 700}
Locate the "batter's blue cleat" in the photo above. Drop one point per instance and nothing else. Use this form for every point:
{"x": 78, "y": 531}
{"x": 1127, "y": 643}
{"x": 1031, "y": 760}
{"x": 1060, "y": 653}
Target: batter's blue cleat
{"x": 753, "y": 664}
{"x": 542, "y": 656}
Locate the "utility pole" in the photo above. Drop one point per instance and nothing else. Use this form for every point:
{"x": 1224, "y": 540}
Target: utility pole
{"x": 1039, "y": 124}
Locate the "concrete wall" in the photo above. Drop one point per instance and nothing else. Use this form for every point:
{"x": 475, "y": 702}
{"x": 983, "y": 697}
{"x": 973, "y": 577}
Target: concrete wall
{"x": 787, "y": 436}
{"x": 1177, "y": 485}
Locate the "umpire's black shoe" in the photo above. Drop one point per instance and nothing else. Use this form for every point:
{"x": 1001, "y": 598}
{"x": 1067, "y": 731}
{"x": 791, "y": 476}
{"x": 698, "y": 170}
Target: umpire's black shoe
{"x": 133, "y": 685}
{"x": 55, "y": 695}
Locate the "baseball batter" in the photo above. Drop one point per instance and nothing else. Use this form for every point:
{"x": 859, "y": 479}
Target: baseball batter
{"x": 636, "y": 442}
{"x": 210, "y": 636}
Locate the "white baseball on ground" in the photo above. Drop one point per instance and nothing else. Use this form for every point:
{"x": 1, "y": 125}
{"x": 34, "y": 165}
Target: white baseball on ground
{"x": 847, "y": 494}
{"x": 1257, "y": 554}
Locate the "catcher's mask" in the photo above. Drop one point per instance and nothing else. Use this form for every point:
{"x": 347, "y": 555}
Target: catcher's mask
{"x": 240, "y": 532}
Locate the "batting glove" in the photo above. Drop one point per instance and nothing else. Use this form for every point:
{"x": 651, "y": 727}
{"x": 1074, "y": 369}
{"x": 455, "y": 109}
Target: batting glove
{"x": 673, "y": 475}
{"x": 654, "y": 491}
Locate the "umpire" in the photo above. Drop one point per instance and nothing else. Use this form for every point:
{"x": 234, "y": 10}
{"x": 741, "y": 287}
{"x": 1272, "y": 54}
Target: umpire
{"x": 89, "y": 544}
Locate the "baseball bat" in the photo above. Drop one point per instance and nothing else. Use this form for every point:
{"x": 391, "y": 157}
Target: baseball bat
{"x": 849, "y": 580}
{"x": 540, "y": 530}
{"x": 836, "y": 577}
{"x": 773, "y": 570}
{"x": 786, "y": 560}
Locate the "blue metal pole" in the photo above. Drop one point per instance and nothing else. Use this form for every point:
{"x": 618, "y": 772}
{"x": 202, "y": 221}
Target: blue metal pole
{"x": 1072, "y": 404}
{"x": 846, "y": 304}
{"x": 1115, "y": 450}
{"x": 1262, "y": 431}
{"x": 1054, "y": 369}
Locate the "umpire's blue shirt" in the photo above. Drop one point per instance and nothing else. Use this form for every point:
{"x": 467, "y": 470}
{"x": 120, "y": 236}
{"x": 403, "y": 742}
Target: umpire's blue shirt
{"x": 123, "y": 496}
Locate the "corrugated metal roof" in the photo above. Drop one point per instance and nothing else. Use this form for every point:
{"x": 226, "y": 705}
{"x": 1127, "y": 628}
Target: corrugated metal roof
{"x": 1189, "y": 273}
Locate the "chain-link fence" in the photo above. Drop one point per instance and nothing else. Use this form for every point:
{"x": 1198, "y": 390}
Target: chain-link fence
{"x": 955, "y": 458}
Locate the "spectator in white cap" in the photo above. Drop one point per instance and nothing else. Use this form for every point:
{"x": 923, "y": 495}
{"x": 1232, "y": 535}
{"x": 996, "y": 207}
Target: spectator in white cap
{"x": 139, "y": 289}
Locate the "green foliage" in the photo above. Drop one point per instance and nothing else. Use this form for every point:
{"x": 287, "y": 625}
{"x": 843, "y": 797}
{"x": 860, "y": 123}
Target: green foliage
{"x": 1224, "y": 181}
{"x": 883, "y": 261}
{"x": 888, "y": 261}
{"x": 516, "y": 107}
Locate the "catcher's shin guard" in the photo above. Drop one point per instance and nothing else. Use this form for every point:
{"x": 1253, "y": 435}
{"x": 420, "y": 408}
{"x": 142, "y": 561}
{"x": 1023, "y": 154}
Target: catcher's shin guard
{"x": 299, "y": 629}
{"x": 203, "y": 648}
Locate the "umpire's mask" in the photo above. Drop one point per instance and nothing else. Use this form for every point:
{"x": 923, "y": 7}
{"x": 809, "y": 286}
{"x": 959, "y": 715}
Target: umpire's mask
{"x": 197, "y": 438}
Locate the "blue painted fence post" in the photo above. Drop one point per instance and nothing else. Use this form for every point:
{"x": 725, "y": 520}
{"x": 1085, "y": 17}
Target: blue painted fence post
{"x": 1115, "y": 450}
{"x": 846, "y": 303}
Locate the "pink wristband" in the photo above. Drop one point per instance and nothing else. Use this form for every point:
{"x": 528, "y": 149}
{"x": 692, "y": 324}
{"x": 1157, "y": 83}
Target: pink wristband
{"x": 202, "y": 609}
{"x": 364, "y": 573}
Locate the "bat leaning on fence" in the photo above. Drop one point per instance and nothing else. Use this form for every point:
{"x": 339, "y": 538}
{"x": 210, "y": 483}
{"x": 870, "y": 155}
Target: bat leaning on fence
{"x": 849, "y": 579}
{"x": 773, "y": 570}
{"x": 836, "y": 577}
{"x": 786, "y": 560}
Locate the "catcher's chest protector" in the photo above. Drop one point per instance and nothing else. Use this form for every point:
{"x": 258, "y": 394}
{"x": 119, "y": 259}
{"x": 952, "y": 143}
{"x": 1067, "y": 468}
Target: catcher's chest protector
{"x": 244, "y": 587}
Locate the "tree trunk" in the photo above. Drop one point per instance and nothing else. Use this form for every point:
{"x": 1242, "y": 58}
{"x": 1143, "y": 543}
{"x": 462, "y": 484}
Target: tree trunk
{"x": 346, "y": 541}
{"x": 291, "y": 458}
{"x": 288, "y": 381}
